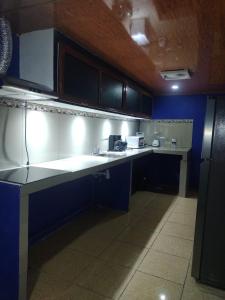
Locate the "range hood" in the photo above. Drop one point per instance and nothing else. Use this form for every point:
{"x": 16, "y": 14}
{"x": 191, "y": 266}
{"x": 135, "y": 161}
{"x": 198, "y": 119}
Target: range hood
{"x": 37, "y": 68}
{"x": 25, "y": 90}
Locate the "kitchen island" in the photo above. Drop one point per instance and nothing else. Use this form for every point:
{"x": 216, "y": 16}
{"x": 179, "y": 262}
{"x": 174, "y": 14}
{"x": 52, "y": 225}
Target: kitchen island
{"x": 19, "y": 187}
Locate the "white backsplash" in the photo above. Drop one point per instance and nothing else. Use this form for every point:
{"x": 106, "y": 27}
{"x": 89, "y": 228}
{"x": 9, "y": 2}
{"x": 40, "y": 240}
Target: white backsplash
{"x": 53, "y": 136}
{"x": 181, "y": 130}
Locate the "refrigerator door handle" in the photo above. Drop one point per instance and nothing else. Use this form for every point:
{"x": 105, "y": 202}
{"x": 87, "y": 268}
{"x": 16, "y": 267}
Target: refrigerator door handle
{"x": 208, "y": 129}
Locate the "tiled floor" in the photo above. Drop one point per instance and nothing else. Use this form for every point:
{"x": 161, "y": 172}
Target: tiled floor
{"x": 144, "y": 254}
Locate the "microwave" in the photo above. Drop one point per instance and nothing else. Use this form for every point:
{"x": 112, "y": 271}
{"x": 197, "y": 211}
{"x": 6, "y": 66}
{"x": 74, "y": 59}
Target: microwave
{"x": 135, "y": 142}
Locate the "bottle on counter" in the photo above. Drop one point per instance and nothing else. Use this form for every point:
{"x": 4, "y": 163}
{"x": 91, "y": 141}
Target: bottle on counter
{"x": 173, "y": 143}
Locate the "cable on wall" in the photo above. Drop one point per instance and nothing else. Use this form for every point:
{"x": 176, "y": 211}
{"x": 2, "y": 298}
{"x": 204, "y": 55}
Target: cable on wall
{"x": 25, "y": 135}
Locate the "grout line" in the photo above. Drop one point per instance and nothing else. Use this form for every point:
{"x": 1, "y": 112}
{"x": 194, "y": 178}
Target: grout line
{"x": 156, "y": 250}
{"x": 170, "y": 254}
{"x": 171, "y": 281}
{"x": 185, "y": 279}
{"x": 174, "y": 222}
{"x": 178, "y": 237}
{"x": 92, "y": 291}
{"x": 126, "y": 285}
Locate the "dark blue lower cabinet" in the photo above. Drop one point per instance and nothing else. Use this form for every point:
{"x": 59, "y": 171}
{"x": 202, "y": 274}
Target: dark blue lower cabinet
{"x": 157, "y": 173}
{"x": 49, "y": 209}
{"x": 114, "y": 192}
{"x": 9, "y": 241}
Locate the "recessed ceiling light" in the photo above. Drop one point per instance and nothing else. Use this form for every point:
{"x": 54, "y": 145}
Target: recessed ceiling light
{"x": 174, "y": 87}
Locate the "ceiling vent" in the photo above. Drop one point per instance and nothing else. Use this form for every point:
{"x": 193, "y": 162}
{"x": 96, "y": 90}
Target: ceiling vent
{"x": 176, "y": 74}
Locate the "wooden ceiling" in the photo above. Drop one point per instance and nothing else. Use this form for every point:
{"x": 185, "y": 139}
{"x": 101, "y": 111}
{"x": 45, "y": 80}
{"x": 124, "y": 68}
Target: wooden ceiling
{"x": 183, "y": 34}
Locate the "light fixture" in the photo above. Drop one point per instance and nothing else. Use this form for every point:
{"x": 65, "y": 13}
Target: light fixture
{"x": 139, "y": 31}
{"x": 174, "y": 87}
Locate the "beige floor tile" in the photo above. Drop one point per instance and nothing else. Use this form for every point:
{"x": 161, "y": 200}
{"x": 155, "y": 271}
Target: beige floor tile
{"x": 90, "y": 244}
{"x": 187, "y": 201}
{"x": 173, "y": 245}
{"x": 179, "y": 230}
{"x": 184, "y": 219}
{"x": 105, "y": 279}
{"x": 186, "y": 206}
{"x": 163, "y": 201}
{"x": 149, "y": 225}
{"x": 79, "y": 293}
{"x": 138, "y": 236}
{"x": 67, "y": 264}
{"x": 146, "y": 287}
{"x": 141, "y": 198}
{"x": 156, "y": 213}
{"x": 165, "y": 266}
{"x": 41, "y": 286}
{"x": 124, "y": 219}
{"x": 111, "y": 226}
{"x": 123, "y": 254}
{"x": 45, "y": 288}
{"x": 193, "y": 294}
{"x": 192, "y": 287}
{"x": 139, "y": 201}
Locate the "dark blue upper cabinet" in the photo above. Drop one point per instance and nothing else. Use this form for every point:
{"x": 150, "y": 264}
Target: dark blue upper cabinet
{"x": 146, "y": 108}
{"x": 85, "y": 79}
{"x": 111, "y": 92}
{"x": 133, "y": 100}
{"x": 79, "y": 78}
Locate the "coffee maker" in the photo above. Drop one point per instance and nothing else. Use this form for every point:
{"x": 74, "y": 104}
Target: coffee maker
{"x": 116, "y": 144}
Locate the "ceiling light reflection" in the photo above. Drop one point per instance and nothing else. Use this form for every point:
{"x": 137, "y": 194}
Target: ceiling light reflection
{"x": 175, "y": 87}
{"x": 162, "y": 297}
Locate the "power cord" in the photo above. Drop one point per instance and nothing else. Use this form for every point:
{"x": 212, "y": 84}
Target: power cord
{"x": 25, "y": 135}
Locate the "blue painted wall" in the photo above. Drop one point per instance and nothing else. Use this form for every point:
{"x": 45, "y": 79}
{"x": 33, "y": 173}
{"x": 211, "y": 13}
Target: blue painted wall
{"x": 14, "y": 66}
{"x": 185, "y": 107}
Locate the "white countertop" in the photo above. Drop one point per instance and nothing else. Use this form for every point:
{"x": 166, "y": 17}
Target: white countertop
{"x": 81, "y": 162}
{"x": 83, "y": 165}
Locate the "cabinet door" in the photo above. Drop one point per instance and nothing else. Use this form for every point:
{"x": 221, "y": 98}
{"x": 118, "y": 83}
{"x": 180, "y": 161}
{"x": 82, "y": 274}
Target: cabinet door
{"x": 133, "y": 100}
{"x": 146, "y": 105}
{"x": 80, "y": 79}
{"x": 111, "y": 92}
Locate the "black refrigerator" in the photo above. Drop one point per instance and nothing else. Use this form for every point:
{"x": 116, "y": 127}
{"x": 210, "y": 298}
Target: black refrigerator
{"x": 209, "y": 244}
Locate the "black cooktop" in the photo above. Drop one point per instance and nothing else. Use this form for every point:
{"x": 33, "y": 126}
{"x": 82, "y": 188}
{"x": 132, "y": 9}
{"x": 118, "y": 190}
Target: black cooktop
{"x": 28, "y": 174}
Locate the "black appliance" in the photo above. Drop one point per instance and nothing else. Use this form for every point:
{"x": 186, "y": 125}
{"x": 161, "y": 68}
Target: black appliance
{"x": 209, "y": 244}
{"x": 115, "y": 143}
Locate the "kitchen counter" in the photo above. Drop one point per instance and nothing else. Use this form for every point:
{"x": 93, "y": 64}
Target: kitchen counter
{"x": 28, "y": 174}
{"x": 83, "y": 165}
{"x": 47, "y": 174}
